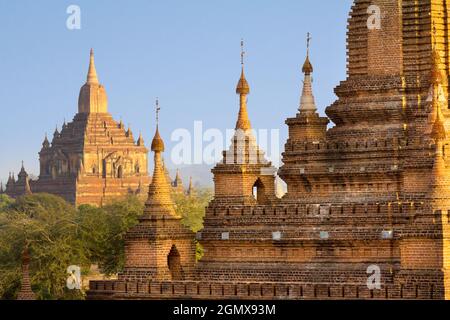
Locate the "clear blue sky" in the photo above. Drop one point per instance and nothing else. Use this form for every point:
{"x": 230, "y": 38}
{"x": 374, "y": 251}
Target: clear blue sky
{"x": 184, "y": 52}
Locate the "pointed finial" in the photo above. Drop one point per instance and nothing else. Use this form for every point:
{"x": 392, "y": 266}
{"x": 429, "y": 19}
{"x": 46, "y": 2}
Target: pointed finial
{"x": 157, "y": 142}
{"x": 308, "y": 40}
{"x": 92, "y": 73}
{"x": 157, "y": 109}
{"x": 22, "y": 165}
{"x": 307, "y": 66}
{"x": 242, "y": 87}
{"x": 242, "y": 52}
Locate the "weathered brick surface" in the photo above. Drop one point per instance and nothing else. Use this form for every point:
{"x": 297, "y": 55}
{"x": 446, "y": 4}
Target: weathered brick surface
{"x": 374, "y": 190}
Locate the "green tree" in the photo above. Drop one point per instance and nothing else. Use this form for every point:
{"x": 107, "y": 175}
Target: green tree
{"x": 192, "y": 210}
{"x": 48, "y": 225}
{"x": 5, "y": 202}
{"x": 103, "y": 230}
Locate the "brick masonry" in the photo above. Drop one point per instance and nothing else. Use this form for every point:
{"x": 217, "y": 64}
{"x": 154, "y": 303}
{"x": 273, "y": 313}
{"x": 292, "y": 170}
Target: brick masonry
{"x": 372, "y": 190}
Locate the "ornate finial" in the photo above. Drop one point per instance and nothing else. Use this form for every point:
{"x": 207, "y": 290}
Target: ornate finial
{"x": 308, "y": 40}
{"x": 242, "y": 87}
{"x": 242, "y": 52}
{"x": 307, "y": 66}
{"x": 157, "y": 143}
{"x": 157, "y": 109}
{"x": 22, "y": 165}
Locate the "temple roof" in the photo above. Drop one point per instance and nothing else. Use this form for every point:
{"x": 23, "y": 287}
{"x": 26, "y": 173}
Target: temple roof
{"x": 159, "y": 201}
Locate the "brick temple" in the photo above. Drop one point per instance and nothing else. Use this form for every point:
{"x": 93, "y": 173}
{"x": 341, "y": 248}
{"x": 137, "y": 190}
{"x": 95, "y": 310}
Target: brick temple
{"x": 370, "y": 192}
{"x": 93, "y": 159}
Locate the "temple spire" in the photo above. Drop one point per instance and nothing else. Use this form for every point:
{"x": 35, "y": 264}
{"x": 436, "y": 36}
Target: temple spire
{"x": 92, "y": 73}
{"x": 307, "y": 102}
{"x": 140, "y": 141}
{"x": 92, "y": 97}
{"x": 45, "y": 143}
{"x": 159, "y": 201}
{"x": 190, "y": 190}
{"x": 243, "y": 89}
{"x": 25, "y": 292}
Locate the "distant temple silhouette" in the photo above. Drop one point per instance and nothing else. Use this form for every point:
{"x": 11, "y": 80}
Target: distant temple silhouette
{"x": 93, "y": 159}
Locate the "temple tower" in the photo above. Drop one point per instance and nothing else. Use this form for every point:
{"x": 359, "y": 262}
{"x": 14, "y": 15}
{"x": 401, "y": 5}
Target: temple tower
{"x": 26, "y": 293}
{"x": 92, "y": 98}
{"x": 93, "y": 159}
{"x": 21, "y": 186}
{"x": 306, "y": 130}
{"x": 159, "y": 247}
{"x": 244, "y": 166}
{"x": 307, "y": 126}
{"x": 190, "y": 191}
{"x": 178, "y": 183}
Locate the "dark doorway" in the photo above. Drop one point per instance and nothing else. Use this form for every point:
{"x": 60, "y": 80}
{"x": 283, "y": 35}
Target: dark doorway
{"x": 259, "y": 192}
{"x": 174, "y": 264}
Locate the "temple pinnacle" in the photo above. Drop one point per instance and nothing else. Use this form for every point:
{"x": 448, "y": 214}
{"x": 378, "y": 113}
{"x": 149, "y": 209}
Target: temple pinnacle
{"x": 307, "y": 103}
{"x": 243, "y": 89}
{"x": 157, "y": 142}
{"x": 92, "y": 73}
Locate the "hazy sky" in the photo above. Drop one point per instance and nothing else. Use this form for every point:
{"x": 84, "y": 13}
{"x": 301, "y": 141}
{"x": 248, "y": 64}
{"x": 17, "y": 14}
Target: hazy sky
{"x": 185, "y": 52}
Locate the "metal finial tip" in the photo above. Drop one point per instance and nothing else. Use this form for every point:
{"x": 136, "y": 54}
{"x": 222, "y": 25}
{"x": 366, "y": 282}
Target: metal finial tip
{"x": 242, "y": 52}
{"x": 308, "y": 41}
{"x": 158, "y": 108}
